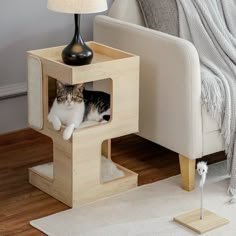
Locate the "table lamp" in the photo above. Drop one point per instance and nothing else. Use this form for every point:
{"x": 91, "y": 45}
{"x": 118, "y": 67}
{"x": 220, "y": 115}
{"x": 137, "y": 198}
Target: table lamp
{"x": 77, "y": 52}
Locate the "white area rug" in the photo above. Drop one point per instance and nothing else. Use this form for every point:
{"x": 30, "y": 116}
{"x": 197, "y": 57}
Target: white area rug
{"x": 145, "y": 211}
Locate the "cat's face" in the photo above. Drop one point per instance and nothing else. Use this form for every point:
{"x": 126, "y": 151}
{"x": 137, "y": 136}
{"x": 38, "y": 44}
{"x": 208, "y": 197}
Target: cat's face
{"x": 69, "y": 95}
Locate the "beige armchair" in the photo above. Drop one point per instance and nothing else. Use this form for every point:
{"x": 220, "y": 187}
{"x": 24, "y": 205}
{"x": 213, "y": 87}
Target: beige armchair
{"x": 171, "y": 113}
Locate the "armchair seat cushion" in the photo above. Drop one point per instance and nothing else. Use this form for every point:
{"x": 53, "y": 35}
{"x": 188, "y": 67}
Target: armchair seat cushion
{"x": 212, "y": 140}
{"x": 209, "y": 124}
{"x": 212, "y": 143}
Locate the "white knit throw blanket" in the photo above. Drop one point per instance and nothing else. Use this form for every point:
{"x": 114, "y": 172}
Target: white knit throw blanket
{"x": 211, "y": 26}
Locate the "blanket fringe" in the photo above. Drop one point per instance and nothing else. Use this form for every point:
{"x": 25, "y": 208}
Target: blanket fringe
{"x": 232, "y": 192}
{"x": 214, "y": 98}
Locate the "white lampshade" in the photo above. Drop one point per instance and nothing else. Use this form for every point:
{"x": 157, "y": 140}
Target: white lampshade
{"x": 77, "y": 6}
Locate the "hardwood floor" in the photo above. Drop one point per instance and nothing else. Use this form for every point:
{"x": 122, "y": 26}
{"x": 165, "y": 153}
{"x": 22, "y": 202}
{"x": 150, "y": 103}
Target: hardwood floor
{"x": 20, "y": 202}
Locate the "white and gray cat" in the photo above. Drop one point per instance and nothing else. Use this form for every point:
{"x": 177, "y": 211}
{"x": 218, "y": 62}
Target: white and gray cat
{"x": 74, "y": 104}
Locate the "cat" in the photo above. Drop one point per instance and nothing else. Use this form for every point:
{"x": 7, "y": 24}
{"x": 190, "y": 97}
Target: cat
{"x": 74, "y": 104}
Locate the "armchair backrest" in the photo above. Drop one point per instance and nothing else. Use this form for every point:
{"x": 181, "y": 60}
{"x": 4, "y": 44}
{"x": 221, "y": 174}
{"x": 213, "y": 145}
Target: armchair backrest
{"x": 127, "y": 10}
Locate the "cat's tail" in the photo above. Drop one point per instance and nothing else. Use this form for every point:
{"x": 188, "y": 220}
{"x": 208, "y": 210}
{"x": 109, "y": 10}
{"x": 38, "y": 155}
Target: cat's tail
{"x": 106, "y": 117}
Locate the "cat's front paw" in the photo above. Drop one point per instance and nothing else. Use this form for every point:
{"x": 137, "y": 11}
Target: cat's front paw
{"x": 50, "y": 118}
{"x": 56, "y": 125}
{"x": 67, "y": 134}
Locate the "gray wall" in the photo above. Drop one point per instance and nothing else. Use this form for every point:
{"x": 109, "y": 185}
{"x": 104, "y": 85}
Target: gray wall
{"x": 27, "y": 25}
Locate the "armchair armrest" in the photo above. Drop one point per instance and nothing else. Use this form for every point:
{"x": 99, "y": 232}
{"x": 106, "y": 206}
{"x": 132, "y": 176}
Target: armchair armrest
{"x": 170, "y": 83}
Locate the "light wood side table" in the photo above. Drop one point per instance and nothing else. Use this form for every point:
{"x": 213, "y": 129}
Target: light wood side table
{"x": 74, "y": 177}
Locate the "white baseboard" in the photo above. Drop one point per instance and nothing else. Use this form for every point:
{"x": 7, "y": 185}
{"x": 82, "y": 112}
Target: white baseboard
{"x": 13, "y": 90}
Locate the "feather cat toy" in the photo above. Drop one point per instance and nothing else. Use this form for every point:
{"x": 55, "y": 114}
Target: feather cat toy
{"x": 201, "y": 220}
{"x": 202, "y": 169}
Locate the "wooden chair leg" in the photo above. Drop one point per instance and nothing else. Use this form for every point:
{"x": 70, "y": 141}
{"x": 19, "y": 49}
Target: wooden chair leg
{"x": 187, "y": 168}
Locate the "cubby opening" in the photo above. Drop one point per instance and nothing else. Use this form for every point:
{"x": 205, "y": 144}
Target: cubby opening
{"x": 111, "y": 171}
{"x": 100, "y": 107}
{"x": 45, "y": 170}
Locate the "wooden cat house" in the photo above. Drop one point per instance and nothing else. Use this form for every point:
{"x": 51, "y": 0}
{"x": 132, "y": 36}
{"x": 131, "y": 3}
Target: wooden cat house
{"x": 74, "y": 177}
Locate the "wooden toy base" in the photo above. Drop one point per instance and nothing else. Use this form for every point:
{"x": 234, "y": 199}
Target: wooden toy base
{"x": 192, "y": 221}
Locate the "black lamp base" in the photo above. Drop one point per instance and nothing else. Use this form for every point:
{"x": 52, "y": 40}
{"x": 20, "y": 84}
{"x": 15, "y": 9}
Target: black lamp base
{"x": 77, "y": 53}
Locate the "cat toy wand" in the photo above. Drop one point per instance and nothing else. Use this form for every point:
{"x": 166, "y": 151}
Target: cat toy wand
{"x": 201, "y": 220}
{"x": 202, "y": 171}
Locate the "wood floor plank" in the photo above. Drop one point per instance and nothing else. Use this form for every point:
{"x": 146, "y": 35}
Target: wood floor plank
{"x": 20, "y": 202}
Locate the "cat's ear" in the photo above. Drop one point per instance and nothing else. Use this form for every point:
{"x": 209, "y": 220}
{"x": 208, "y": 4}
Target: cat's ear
{"x": 60, "y": 86}
{"x": 79, "y": 88}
